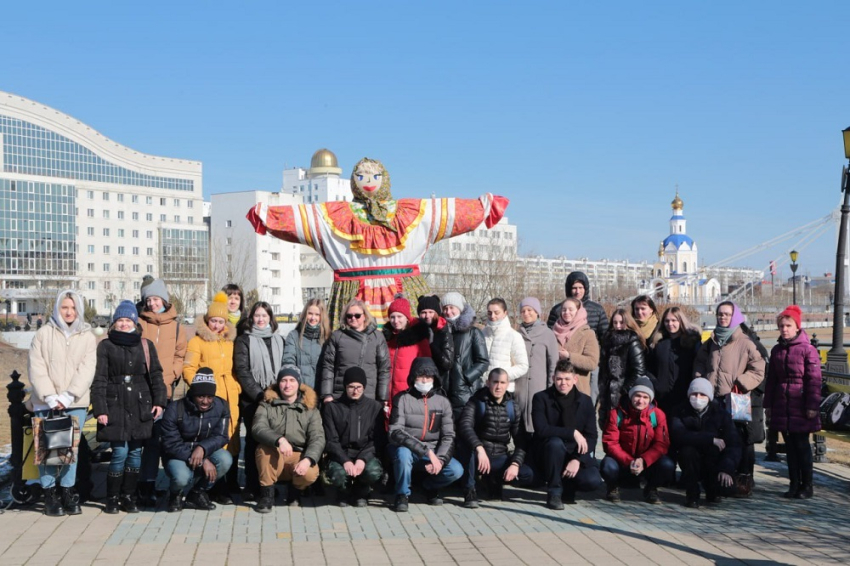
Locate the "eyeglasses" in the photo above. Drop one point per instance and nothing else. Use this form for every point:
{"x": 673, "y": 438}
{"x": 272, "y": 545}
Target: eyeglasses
{"x": 357, "y": 315}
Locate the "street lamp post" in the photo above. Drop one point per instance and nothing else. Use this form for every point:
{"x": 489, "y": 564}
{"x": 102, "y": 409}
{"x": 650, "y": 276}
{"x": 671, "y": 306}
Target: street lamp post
{"x": 794, "y": 267}
{"x": 836, "y": 358}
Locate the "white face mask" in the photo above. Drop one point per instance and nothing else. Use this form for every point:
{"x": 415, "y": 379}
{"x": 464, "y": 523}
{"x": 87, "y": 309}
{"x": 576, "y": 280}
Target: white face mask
{"x": 423, "y": 388}
{"x": 698, "y": 403}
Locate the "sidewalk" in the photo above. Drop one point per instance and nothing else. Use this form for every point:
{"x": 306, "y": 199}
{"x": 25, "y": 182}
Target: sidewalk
{"x": 766, "y": 529}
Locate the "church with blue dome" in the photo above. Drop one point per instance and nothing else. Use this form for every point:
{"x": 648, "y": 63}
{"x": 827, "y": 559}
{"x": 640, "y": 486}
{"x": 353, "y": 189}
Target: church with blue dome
{"x": 676, "y": 272}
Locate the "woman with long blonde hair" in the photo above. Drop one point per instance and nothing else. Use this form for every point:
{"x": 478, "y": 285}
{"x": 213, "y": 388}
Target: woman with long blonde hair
{"x": 303, "y": 347}
{"x": 672, "y": 360}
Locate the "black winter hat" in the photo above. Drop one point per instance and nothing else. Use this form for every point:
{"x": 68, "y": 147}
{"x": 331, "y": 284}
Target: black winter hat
{"x": 427, "y": 302}
{"x": 203, "y": 383}
{"x": 289, "y": 370}
{"x": 354, "y": 375}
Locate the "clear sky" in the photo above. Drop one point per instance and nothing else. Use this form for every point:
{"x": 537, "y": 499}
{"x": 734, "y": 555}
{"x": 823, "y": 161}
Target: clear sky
{"x": 585, "y": 114}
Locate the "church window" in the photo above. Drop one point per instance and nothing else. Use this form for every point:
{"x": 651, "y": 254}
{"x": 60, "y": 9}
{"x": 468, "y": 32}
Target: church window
{"x": 685, "y": 267}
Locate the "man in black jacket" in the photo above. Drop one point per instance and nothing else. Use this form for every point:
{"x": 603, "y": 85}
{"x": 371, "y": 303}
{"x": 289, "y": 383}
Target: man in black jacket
{"x": 706, "y": 444}
{"x": 354, "y": 432}
{"x": 565, "y": 429}
{"x": 440, "y": 333}
{"x": 194, "y": 433}
{"x": 489, "y": 421}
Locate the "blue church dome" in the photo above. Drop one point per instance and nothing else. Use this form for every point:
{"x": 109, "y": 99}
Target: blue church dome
{"x": 677, "y": 240}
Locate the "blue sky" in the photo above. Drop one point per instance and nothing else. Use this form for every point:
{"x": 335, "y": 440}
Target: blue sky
{"x": 586, "y": 115}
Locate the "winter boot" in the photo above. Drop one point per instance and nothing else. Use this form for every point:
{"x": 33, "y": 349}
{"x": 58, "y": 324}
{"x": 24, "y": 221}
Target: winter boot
{"x": 360, "y": 494}
{"x": 53, "y": 502}
{"x": 175, "y": 502}
{"x": 71, "y": 501}
{"x": 806, "y": 489}
{"x": 613, "y": 494}
{"x": 554, "y": 502}
{"x": 147, "y": 494}
{"x": 470, "y": 500}
{"x": 113, "y": 491}
{"x": 128, "y": 490}
{"x": 293, "y": 496}
{"x": 266, "y": 502}
{"x": 199, "y": 499}
{"x": 401, "y": 504}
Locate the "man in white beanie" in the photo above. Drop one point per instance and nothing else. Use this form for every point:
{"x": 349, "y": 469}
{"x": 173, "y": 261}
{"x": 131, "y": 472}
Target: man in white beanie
{"x": 706, "y": 444}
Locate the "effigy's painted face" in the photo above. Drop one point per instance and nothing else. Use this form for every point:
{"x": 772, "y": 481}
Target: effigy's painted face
{"x": 370, "y": 181}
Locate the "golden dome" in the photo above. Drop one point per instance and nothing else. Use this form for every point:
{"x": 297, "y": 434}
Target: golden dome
{"x": 677, "y": 203}
{"x": 324, "y": 162}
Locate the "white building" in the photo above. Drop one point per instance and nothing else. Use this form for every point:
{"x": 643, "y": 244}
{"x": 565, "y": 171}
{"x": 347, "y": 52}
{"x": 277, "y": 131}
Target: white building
{"x": 80, "y": 210}
{"x": 322, "y": 182}
{"x": 254, "y": 262}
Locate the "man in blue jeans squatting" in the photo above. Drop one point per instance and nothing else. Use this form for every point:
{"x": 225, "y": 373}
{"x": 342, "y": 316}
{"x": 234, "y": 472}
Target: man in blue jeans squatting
{"x": 194, "y": 433}
{"x": 422, "y": 434}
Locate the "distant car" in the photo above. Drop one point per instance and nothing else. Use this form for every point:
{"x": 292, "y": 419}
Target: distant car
{"x": 100, "y": 321}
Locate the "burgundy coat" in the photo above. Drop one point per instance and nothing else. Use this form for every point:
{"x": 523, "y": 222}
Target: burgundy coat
{"x": 793, "y": 386}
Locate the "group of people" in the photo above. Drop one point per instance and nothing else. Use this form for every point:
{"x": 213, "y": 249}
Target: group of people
{"x": 431, "y": 393}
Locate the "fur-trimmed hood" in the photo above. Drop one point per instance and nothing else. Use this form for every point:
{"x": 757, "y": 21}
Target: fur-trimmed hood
{"x": 464, "y": 321}
{"x": 203, "y": 331}
{"x": 306, "y": 396}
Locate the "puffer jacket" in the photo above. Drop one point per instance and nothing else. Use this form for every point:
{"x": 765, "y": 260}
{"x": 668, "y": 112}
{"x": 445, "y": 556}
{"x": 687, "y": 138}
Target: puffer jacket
{"x": 185, "y": 427}
{"x": 470, "y": 359}
{"x": 404, "y": 347}
{"x": 305, "y": 354}
{"x": 349, "y": 348}
{"x": 738, "y": 361}
{"x": 58, "y": 364}
{"x": 542, "y": 348}
{"x": 506, "y": 349}
{"x": 629, "y": 434}
{"x": 597, "y": 320}
{"x": 299, "y": 422}
{"x": 546, "y": 414}
{"x": 354, "y": 430}
{"x": 215, "y": 351}
{"x": 124, "y": 389}
{"x": 163, "y": 329}
{"x": 622, "y": 362}
{"x": 794, "y": 385}
{"x": 423, "y": 422}
{"x": 690, "y": 428}
{"x": 491, "y": 428}
{"x": 671, "y": 361}
{"x": 252, "y": 391}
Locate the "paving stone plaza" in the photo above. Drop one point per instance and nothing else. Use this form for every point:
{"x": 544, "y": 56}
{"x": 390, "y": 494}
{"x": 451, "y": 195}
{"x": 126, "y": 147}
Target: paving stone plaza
{"x": 766, "y": 529}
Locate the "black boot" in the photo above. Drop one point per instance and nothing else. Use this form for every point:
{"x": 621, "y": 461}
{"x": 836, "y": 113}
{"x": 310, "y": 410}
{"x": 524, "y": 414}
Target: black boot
{"x": 360, "y": 494}
{"x": 266, "y": 502}
{"x": 147, "y": 494}
{"x": 219, "y": 493}
{"x": 128, "y": 491}
{"x": 199, "y": 499}
{"x": 175, "y": 502}
{"x": 113, "y": 491}
{"x": 53, "y": 502}
{"x": 806, "y": 489}
{"x": 293, "y": 496}
{"x": 71, "y": 501}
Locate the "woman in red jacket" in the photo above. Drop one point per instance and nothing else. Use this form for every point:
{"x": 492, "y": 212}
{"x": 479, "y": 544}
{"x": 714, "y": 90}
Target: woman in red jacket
{"x": 407, "y": 339}
{"x": 636, "y": 441}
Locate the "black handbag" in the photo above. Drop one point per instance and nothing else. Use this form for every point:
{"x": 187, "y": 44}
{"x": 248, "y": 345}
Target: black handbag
{"x": 58, "y": 430}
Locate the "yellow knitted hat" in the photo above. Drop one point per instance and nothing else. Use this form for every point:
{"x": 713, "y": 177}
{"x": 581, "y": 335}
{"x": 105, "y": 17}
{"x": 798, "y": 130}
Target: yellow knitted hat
{"x": 218, "y": 306}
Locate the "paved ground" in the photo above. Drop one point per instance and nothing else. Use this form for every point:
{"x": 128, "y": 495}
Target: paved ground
{"x": 766, "y": 529}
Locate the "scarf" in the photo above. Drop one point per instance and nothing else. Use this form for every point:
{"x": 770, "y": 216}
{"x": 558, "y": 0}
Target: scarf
{"x": 563, "y": 331}
{"x": 648, "y": 326}
{"x": 528, "y": 325}
{"x": 566, "y": 404}
{"x": 234, "y": 317}
{"x": 264, "y": 368}
{"x": 125, "y": 338}
{"x": 722, "y": 334}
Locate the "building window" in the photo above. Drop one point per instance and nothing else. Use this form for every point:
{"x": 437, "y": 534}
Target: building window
{"x": 91, "y": 285}
{"x": 120, "y": 215}
{"x": 135, "y": 216}
{"x": 90, "y": 194}
{"x": 275, "y": 291}
{"x": 136, "y": 270}
{"x": 149, "y": 251}
{"x": 149, "y": 234}
{"x": 275, "y": 256}
{"x": 106, "y": 270}
{"x": 106, "y": 215}
{"x": 190, "y": 219}
{"x": 134, "y": 199}
{"x": 120, "y": 232}
{"x": 121, "y": 267}
{"x": 90, "y": 266}
{"x": 228, "y": 241}
{"x": 162, "y": 201}
{"x": 90, "y": 248}
{"x": 228, "y": 224}
{"x": 275, "y": 273}
{"x": 177, "y": 203}
{"x": 90, "y": 213}
{"x": 148, "y": 200}
{"x": 105, "y": 195}
{"x": 106, "y": 231}
{"x": 120, "y": 250}
{"x": 135, "y": 250}
{"x": 190, "y": 204}
{"x": 149, "y": 217}
{"x": 120, "y": 197}
{"x": 106, "y": 249}
{"x": 162, "y": 218}
{"x": 135, "y": 233}
{"x": 90, "y": 231}
{"x": 177, "y": 218}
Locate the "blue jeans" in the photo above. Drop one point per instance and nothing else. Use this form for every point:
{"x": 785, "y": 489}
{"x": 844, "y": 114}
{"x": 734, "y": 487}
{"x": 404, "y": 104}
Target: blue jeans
{"x": 659, "y": 473}
{"x": 405, "y": 461}
{"x": 498, "y": 466}
{"x": 67, "y": 475}
{"x": 181, "y": 475}
{"x": 125, "y": 455}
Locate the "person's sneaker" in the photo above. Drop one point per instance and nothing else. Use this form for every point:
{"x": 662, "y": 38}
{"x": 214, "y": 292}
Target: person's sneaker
{"x": 433, "y": 497}
{"x": 553, "y": 501}
{"x": 650, "y": 495}
{"x": 470, "y": 500}
{"x": 361, "y": 502}
{"x": 401, "y": 504}
{"x": 175, "y": 502}
{"x": 692, "y": 502}
{"x": 199, "y": 499}
{"x": 342, "y": 500}
{"x": 613, "y": 495}
{"x": 806, "y": 492}
{"x": 266, "y": 501}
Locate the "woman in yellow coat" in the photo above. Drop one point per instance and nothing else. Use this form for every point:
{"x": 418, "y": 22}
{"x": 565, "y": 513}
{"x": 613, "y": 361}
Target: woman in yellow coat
{"x": 212, "y": 347}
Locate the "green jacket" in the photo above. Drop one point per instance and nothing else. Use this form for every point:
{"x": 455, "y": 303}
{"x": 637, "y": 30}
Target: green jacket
{"x": 300, "y": 423}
